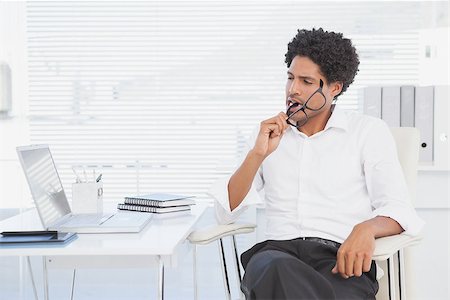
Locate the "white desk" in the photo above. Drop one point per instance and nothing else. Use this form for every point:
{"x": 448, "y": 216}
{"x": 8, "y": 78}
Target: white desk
{"x": 161, "y": 243}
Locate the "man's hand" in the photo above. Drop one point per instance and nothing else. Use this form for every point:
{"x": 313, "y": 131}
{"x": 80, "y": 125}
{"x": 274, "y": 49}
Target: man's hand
{"x": 270, "y": 133}
{"x": 355, "y": 255}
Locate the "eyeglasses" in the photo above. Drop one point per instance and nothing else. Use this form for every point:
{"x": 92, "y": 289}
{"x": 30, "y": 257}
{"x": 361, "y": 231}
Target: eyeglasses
{"x": 313, "y": 106}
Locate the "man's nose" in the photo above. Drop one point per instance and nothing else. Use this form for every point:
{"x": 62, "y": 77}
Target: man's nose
{"x": 294, "y": 88}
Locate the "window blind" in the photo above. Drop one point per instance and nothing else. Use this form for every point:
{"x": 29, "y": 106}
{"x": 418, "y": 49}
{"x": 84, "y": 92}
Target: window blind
{"x": 161, "y": 95}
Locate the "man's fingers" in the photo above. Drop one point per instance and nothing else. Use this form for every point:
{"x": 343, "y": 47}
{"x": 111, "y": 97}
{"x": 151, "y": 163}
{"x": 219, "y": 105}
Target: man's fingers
{"x": 334, "y": 270}
{"x": 271, "y": 129}
{"x": 280, "y": 125}
{"x": 279, "y": 119}
{"x": 358, "y": 265}
{"x": 349, "y": 263}
{"x": 280, "y": 122}
{"x": 270, "y": 120}
{"x": 282, "y": 117}
{"x": 367, "y": 263}
{"x": 340, "y": 263}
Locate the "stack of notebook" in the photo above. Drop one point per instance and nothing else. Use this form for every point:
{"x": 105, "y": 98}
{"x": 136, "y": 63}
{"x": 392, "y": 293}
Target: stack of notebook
{"x": 157, "y": 203}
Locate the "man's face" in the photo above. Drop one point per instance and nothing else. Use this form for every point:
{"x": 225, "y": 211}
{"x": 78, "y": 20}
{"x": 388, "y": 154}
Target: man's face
{"x": 303, "y": 80}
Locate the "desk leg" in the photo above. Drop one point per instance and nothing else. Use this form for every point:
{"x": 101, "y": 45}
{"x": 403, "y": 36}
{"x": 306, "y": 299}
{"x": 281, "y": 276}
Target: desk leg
{"x": 44, "y": 269}
{"x": 194, "y": 268}
{"x": 161, "y": 280}
{"x": 32, "y": 278}
{"x": 73, "y": 283}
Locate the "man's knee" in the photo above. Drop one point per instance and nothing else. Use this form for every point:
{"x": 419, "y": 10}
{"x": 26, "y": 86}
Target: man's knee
{"x": 269, "y": 261}
{"x": 264, "y": 273}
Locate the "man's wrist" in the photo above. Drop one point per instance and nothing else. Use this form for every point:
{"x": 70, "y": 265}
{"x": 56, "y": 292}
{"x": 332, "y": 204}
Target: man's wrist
{"x": 380, "y": 226}
{"x": 255, "y": 155}
{"x": 366, "y": 227}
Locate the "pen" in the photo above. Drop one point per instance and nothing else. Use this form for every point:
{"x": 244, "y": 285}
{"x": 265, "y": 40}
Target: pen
{"x": 99, "y": 178}
{"x": 78, "y": 180}
{"x": 85, "y": 175}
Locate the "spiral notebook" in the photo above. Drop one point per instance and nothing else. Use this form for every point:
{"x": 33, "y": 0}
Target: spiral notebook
{"x": 153, "y": 209}
{"x": 160, "y": 200}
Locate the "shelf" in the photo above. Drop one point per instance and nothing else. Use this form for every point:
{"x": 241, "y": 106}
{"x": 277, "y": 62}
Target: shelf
{"x": 430, "y": 167}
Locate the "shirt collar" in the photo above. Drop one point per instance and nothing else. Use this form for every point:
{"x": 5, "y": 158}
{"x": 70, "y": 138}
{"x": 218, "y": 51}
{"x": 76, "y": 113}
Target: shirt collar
{"x": 338, "y": 119}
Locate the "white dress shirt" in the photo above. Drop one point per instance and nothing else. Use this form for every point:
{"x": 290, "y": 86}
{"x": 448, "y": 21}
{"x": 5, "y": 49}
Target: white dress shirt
{"x": 325, "y": 184}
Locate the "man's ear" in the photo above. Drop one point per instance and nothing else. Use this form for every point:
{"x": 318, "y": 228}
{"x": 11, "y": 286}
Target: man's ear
{"x": 336, "y": 88}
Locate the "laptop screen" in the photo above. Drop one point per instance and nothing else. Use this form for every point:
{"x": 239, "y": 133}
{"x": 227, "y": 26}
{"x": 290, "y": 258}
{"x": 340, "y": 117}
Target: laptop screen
{"x": 44, "y": 182}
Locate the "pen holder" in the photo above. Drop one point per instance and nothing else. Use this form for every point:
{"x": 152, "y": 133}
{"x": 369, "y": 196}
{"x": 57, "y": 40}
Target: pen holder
{"x": 87, "y": 198}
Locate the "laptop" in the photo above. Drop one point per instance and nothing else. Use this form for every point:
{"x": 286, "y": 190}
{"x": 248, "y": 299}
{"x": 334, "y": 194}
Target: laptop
{"x": 53, "y": 207}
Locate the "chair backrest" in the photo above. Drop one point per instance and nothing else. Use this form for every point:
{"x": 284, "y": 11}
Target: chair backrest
{"x": 407, "y": 140}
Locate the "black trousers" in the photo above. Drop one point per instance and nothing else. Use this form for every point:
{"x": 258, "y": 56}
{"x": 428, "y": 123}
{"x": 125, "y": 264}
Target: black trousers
{"x": 300, "y": 269}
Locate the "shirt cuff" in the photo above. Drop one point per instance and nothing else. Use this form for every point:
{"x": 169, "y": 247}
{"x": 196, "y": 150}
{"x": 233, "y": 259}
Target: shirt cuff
{"x": 406, "y": 217}
{"x": 219, "y": 191}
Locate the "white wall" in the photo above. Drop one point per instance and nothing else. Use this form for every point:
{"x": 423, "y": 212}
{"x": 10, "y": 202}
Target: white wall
{"x": 431, "y": 256}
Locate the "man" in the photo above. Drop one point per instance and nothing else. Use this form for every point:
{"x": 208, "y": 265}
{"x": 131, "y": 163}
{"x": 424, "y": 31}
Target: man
{"x": 331, "y": 179}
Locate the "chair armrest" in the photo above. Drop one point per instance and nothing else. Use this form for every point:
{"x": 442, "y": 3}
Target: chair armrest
{"x": 385, "y": 247}
{"x": 210, "y": 234}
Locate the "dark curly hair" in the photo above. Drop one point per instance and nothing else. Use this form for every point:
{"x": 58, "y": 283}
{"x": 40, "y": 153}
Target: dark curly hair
{"x": 334, "y": 54}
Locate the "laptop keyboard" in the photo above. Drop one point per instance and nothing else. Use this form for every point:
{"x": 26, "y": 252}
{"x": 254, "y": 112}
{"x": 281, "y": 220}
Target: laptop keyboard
{"x": 87, "y": 219}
